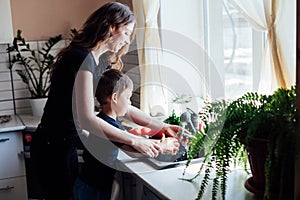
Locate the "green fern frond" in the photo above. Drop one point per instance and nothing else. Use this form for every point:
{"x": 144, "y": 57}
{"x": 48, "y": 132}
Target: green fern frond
{"x": 205, "y": 180}
{"x": 215, "y": 188}
{"x": 195, "y": 146}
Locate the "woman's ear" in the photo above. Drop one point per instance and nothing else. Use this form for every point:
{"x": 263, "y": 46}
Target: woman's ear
{"x": 114, "y": 98}
{"x": 112, "y": 30}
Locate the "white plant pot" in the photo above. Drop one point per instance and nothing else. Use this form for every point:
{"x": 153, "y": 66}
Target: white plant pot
{"x": 37, "y": 106}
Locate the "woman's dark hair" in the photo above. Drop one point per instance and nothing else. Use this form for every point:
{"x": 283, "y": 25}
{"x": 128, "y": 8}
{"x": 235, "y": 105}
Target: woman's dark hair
{"x": 112, "y": 81}
{"x": 96, "y": 29}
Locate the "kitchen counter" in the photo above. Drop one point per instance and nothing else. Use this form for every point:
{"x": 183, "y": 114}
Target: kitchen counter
{"x": 20, "y": 122}
{"x": 14, "y": 124}
{"x": 166, "y": 183}
{"x": 30, "y": 122}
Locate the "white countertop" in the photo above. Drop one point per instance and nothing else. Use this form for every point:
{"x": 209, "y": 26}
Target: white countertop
{"x": 30, "y": 122}
{"x": 15, "y": 124}
{"x": 20, "y": 122}
{"x": 166, "y": 183}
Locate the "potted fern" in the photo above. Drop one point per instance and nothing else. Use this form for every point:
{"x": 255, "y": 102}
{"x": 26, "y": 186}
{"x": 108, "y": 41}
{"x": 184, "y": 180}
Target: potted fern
{"x": 234, "y": 128}
{"x": 35, "y": 67}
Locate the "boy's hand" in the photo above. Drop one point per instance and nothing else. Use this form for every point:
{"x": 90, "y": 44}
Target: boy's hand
{"x": 169, "y": 145}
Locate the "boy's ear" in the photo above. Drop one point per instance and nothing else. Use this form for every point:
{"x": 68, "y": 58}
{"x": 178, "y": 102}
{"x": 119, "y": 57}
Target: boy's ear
{"x": 114, "y": 98}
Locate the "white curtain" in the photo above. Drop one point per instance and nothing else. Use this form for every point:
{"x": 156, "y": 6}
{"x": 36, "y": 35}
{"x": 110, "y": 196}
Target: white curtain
{"x": 153, "y": 95}
{"x": 263, "y": 16}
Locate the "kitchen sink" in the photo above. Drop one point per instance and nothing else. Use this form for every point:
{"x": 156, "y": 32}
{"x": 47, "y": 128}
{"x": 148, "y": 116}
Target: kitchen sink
{"x": 163, "y": 161}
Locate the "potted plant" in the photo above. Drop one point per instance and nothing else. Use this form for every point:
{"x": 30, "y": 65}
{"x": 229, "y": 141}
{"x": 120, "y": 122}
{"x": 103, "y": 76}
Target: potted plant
{"x": 35, "y": 66}
{"x": 232, "y": 127}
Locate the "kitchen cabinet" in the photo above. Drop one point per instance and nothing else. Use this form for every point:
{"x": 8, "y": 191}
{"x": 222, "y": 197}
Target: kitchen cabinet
{"x": 12, "y": 166}
{"x": 11, "y": 158}
{"x": 13, "y": 188}
{"x": 149, "y": 195}
{"x": 12, "y": 162}
{"x": 129, "y": 187}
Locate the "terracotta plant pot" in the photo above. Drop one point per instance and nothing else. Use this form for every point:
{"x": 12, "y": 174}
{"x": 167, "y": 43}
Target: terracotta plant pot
{"x": 257, "y": 151}
{"x": 281, "y": 186}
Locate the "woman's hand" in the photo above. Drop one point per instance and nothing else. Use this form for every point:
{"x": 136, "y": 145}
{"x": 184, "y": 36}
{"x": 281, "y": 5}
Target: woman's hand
{"x": 147, "y": 147}
{"x": 171, "y": 130}
{"x": 174, "y": 130}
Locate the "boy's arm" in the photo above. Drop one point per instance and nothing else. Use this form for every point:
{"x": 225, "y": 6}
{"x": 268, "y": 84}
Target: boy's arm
{"x": 141, "y": 118}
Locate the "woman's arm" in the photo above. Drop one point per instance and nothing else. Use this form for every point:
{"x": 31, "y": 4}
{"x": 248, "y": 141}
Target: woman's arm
{"x": 168, "y": 145}
{"x": 84, "y": 100}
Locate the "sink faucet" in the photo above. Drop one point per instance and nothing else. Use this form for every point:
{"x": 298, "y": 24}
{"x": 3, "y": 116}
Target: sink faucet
{"x": 194, "y": 119}
{"x": 190, "y": 119}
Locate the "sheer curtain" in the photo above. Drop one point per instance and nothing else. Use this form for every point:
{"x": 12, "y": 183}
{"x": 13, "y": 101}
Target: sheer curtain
{"x": 153, "y": 99}
{"x": 263, "y": 16}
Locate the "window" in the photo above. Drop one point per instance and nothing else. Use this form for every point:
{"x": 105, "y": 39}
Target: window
{"x": 233, "y": 50}
{"x": 239, "y": 61}
{"x": 243, "y": 49}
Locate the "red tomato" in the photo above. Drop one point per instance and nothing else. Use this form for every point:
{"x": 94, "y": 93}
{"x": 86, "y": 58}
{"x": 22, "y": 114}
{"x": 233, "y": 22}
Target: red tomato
{"x": 135, "y": 131}
{"x": 151, "y": 132}
{"x": 158, "y": 134}
{"x": 147, "y": 131}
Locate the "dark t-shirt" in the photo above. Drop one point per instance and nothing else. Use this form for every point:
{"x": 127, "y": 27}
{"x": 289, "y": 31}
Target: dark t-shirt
{"x": 58, "y": 115}
{"x": 100, "y": 173}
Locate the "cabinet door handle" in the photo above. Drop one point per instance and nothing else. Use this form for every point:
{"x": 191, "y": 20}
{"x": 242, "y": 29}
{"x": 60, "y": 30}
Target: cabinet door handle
{"x": 26, "y": 154}
{"x": 4, "y": 139}
{"x": 7, "y": 188}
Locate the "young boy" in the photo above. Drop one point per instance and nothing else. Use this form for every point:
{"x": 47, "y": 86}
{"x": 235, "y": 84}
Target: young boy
{"x": 95, "y": 180}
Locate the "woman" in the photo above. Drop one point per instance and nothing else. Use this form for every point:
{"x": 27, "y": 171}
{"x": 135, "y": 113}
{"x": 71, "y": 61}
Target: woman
{"x": 78, "y": 68}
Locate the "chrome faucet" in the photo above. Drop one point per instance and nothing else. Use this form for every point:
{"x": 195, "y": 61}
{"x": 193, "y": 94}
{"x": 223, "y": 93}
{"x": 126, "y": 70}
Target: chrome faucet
{"x": 190, "y": 120}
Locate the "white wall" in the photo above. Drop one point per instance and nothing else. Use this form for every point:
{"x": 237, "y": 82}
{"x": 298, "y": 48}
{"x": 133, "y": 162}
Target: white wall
{"x": 6, "y": 30}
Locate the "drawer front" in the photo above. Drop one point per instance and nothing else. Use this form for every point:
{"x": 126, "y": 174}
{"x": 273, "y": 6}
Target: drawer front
{"x": 13, "y": 188}
{"x": 12, "y": 162}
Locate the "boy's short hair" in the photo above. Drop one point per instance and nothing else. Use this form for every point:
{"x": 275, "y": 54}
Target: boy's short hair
{"x": 112, "y": 81}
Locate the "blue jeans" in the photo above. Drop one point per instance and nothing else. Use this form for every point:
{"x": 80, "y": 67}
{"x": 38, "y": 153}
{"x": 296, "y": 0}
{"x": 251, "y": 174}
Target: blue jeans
{"x": 83, "y": 191}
